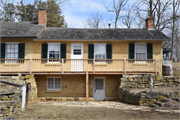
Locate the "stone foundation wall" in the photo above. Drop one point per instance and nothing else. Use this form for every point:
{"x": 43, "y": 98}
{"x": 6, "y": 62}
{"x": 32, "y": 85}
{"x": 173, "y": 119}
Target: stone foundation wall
{"x": 23, "y": 80}
{"x": 10, "y": 102}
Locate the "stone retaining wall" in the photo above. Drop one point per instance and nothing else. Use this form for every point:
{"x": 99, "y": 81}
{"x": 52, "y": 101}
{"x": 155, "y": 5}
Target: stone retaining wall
{"x": 10, "y": 102}
{"x": 23, "y": 80}
{"x": 134, "y": 89}
{"x": 142, "y": 81}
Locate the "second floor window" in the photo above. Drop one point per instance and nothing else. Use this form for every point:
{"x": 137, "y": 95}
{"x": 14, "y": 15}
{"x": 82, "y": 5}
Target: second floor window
{"x": 100, "y": 52}
{"x": 11, "y": 52}
{"x": 140, "y": 51}
{"x": 54, "y": 51}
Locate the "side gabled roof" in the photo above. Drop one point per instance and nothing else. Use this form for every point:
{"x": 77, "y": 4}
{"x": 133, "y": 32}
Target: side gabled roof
{"x": 20, "y": 29}
{"x": 101, "y": 34}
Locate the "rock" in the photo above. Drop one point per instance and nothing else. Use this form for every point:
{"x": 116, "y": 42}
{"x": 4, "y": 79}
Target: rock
{"x": 170, "y": 84}
{"x": 152, "y": 95}
{"x": 159, "y": 103}
{"x": 153, "y": 105}
{"x": 141, "y": 85}
{"x": 150, "y": 101}
{"x": 158, "y": 84}
{"x": 165, "y": 100}
{"x": 176, "y": 99}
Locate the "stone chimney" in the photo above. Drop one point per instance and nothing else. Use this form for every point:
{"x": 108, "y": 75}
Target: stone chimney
{"x": 42, "y": 16}
{"x": 150, "y": 23}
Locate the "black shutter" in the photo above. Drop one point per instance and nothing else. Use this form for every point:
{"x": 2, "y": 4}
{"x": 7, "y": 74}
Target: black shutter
{"x": 90, "y": 52}
{"x": 131, "y": 51}
{"x": 2, "y": 52}
{"x": 63, "y": 51}
{"x": 109, "y": 53}
{"x": 21, "y": 52}
{"x": 149, "y": 51}
{"x": 44, "y": 52}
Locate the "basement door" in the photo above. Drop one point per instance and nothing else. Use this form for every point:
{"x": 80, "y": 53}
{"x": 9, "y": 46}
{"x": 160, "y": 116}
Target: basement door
{"x": 76, "y": 55}
{"x": 99, "y": 88}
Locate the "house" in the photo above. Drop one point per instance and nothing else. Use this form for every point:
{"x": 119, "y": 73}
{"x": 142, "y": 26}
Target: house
{"x": 72, "y": 62}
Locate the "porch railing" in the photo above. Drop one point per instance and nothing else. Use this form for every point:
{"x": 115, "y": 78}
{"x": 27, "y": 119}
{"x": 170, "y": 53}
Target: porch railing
{"x": 78, "y": 65}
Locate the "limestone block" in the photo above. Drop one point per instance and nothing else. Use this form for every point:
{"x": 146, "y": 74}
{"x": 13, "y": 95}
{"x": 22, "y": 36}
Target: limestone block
{"x": 4, "y": 98}
{"x": 150, "y": 101}
{"x": 147, "y": 85}
{"x": 134, "y": 85}
{"x": 158, "y": 84}
{"x": 141, "y": 85}
{"x": 152, "y": 95}
{"x": 125, "y": 84}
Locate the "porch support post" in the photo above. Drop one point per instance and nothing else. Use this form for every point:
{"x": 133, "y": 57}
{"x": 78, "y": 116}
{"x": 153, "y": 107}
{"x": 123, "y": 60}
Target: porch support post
{"x": 30, "y": 65}
{"x": 87, "y": 86}
{"x": 62, "y": 66}
{"x": 124, "y": 66}
{"x": 156, "y": 66}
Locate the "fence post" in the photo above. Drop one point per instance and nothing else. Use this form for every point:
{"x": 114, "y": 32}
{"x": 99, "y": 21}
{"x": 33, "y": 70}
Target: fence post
{"x": 23, "y": 88}
{"x": 124, "y": 66}
{"x": 30, "y": 65}
{"x": 151, "y": 83}
{"x": 62, "y": 66}
{"x": 93, "y": 66}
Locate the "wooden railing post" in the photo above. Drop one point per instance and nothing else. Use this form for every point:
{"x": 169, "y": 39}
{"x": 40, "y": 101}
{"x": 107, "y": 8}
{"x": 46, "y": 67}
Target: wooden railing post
{"x": 87, "y": 87}
{"x": 30, "y": 65}
{"x": 156, "y": 66}
{"x": 124, "y": 66}
{"x": 62, "y": 66}
{"x": 93, "y": 66}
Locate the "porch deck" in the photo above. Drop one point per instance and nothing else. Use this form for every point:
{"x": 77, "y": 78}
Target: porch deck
{"x": 78, "y": 66}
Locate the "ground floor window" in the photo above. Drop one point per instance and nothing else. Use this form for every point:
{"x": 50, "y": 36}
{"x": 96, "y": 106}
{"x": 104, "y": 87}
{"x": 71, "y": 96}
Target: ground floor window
{"x": 54, "y": 83}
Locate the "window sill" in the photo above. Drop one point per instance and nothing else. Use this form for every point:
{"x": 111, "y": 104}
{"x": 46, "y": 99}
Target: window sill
{"x": 54, "y": 91}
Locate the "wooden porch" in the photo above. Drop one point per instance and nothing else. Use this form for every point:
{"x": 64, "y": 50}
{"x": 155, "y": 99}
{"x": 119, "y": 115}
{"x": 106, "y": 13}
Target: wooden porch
{"x": 78, "y": 66}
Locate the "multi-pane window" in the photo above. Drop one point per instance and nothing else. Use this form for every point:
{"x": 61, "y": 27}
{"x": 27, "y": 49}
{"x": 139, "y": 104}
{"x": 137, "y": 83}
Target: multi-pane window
{"x": 54, "y": 83}
{"x": 54, "y": 51}
{"x": 140, "y": 51}
{"x": 99, "y": 84}
{"x": 100, "y": 52}
{"x": 77, "y": 50}
{"x": 11, "y": 52}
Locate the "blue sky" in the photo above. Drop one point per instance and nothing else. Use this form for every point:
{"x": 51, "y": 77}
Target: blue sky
{"x": 77, "y": 11}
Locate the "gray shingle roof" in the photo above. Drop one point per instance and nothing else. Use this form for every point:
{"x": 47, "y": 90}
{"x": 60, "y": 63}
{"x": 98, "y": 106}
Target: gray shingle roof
{"x": 20, "y": 29}
{"x": 103, "y": 34}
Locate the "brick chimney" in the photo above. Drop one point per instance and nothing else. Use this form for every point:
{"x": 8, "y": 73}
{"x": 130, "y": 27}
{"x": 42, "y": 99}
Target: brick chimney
{"x": 150, "y": 23}
{"x": 42, "y": 16}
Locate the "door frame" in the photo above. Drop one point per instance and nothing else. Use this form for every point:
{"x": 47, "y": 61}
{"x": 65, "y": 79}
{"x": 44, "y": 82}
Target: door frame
{"x": 82, "y": 55}
{"x": 104, "y": 81}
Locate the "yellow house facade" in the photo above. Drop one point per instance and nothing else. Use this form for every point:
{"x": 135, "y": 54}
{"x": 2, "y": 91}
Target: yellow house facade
{"x": 69, "y": 62}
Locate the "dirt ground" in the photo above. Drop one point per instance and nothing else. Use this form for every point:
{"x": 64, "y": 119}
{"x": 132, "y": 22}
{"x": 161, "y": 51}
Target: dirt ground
{"x": 47, "y": 111}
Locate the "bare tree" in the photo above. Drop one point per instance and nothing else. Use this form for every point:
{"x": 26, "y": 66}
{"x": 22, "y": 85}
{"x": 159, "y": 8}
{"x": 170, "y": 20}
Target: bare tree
{"x": 128, "y": 19}
{"x": 94, "y": 21}
{"x": 175, "y": 15}
{"x": 158, "y": 9}
{"x": 116, "y": 8}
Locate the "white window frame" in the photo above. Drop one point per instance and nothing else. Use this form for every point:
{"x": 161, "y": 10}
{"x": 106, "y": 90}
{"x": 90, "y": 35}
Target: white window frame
{"x": 59, "y": 52}
{"x": 8, "y": 61}
{"x": 141, "y": 52}
{"x": 104, "y": 44}
{"x": 54, "y": 84}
